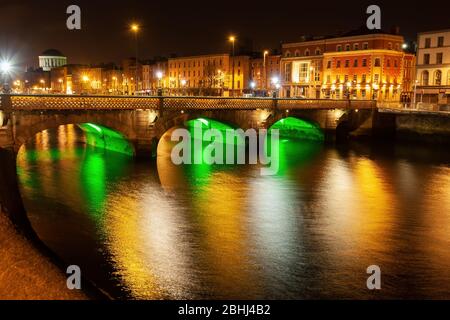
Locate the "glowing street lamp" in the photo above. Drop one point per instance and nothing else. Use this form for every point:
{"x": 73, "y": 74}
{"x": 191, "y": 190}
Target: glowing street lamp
{"x": 159, "y": 75}
{"x": 135, "y": 29}
{"x": 232, "y": 39}
{"x": 265, "y": 53}
{"x": 5, "y": 69}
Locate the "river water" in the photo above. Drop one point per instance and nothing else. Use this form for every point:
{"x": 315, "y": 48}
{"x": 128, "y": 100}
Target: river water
{"x": 153, "y": 230}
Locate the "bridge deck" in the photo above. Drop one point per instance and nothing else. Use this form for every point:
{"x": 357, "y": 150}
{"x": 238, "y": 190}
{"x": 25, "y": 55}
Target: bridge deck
{"x": 75, "y": 102}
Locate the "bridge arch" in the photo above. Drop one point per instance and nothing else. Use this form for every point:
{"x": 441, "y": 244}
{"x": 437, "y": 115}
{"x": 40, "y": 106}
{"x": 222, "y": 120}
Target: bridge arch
{"x": 298, "y": 128}
{"x": 109, "y": 126}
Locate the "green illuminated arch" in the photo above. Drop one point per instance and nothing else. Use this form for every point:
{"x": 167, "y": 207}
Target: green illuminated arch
{"x": 293, "y": 128}
{"x": 105, "y": 138}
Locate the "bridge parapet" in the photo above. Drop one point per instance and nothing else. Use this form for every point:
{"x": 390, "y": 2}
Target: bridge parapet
{"x": 72, "y": 102}
{"x": 325, "y": 104}
{"x": 215, "y": 103}
{"x": 80, "y": 102}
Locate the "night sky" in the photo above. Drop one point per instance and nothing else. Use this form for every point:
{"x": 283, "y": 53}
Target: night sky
{"x": 28, "y": 27}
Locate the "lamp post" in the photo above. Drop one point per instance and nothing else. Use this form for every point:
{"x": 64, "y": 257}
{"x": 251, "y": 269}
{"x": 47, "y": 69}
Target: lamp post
{"x": 135, "y": 30}
{"x": 253, "y": 85}
{"x": 265, "y": 69}
{"x": 232, "y": 40}
{"x": 415, "y": 92}
{"x": 5, "y": 69}
{"x": 159, "y": 75}
{"x": 183, "y": 86}
{"x": 42, "y": 81}
{"x": 85, "y": 80}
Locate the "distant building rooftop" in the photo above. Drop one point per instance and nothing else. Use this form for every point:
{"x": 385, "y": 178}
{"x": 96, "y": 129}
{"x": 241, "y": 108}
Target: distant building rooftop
{"x": 52, "y": 53}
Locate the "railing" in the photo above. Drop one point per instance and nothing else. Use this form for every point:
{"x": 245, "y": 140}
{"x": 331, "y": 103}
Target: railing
{"x": 418, "y": 107}
{"x": 81, "y": 102}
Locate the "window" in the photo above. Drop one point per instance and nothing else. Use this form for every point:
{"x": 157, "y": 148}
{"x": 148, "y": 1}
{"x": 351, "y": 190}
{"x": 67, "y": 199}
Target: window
{"x": 356, "y": 46}
{"x": 355, "y": 63}
{"x": 377, "y": 62}
{"x": 318, "y": 52}
{"x": 355, "y": 78}
{"x": 439, "y": 58}
{"x": 338, "y": 64}
{"x": 425, "y": 78}
{"x": 287, "y": 72}
{"x": 426, "y": 58}
{"x": 396, "y": 63}
{"x": 329, "y": 78}
{"x": 390, "y": 46}
{"x": 440, "y": 41}
{"x": 338, "y": 79}
{"x": 339, "y": 47}
{"x": 288, "y": 54}
{"x": 388, "y": 63}
{"x": 397, "y": 47}
{"x": 346, "y": 78}
{"x": 437, "y": 78}
{"x": 363, "y": 78}
{"x": 303, "y": 72}
{"x": 365, "y": 45}
{"x": 347, "y": 63}
{"x": 239, "y": 84}
{"x": 427, "y": 42}
{"x": 307, "y": 52}
{"x": 376, "y": 78}
{"x": 328, "y": 64}
{"x": 296, "y": 53}
{"x": 364, "y": 62}
{"x": 317, "y": 72}
{"x": 347, "y": 47}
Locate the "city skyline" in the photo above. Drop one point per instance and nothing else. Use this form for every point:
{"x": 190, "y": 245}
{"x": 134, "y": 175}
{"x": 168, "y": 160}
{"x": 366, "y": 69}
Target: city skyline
{"x": 108, "y": 28}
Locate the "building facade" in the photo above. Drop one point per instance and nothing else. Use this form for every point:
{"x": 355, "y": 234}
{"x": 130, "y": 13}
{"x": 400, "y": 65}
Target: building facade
{"x": 433, "y": 67}
{"x": 50, "y": 59}
{"x": 209, "y": 75}
{"x": 265, "y": 71}
{"x": 154, "y": 76}
{"x": 368, "y": 66}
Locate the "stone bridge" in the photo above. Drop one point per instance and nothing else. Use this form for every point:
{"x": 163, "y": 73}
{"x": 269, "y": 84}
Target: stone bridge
{"x": 143, "y": 120}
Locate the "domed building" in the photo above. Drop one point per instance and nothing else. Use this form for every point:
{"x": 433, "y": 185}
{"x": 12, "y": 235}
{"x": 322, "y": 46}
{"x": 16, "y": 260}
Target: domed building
{"x": 50, "y": 59}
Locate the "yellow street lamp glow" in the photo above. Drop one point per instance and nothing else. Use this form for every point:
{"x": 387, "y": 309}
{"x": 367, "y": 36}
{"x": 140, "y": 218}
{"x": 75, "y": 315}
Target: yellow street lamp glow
{"x": 135, "y": 27}
{"x": 266, "y": 52}
{"x": 85, "y": 78}
{"x": 159, "y": 75}
{"x": 232, "y": 38}
{"x": 42, "y": 81}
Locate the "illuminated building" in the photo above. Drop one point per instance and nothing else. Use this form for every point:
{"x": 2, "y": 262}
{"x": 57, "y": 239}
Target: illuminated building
{"x": 208, "y": 74}
{"x": 154, "y": 76}
{"x": 129, "y": 74}
{"x": 433, "y": 67}
{"x": 50, "y": 59}
{"x": 355, "y": 66}
{"x": 263, "y": 69}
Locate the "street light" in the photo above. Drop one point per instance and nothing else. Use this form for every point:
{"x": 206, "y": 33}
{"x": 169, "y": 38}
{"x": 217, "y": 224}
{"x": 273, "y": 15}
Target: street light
{"x": 5, "y": 69}
{"x": 135, "y": 29}
{"x": 159, "y": 75}
{"x": 232, "y": 40}
{"x": 265, "y": 69}
{"x": 415, "y": 92}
